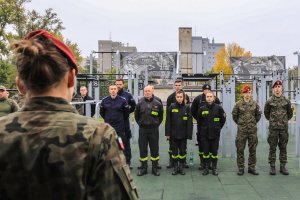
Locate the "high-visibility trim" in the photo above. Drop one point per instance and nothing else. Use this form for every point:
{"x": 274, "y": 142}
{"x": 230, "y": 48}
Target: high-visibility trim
{"x": 175, "y": 157}
{"x": 174, "y": 110}
{"x": 205, "y": 112}
{"x": 200, "y": 152}
{"x": 143, "y": 159}
{"x": 181, "y": 157}
{"x": 185, "y": 118}
{"x": 212, "y": 156}
{"x": 154, "y": 159}
{"x": 170, "y": 150}
{"x": 204, "y": 156}
{"x": 154, "y": 113}
{"x": 216, "y": 119}
{"x": 210, "y": 153}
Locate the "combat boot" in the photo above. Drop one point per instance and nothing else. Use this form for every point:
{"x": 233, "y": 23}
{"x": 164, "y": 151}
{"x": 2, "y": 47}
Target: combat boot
{"x": 272, "y": 170}
{"x": 155, "y": 171}
{"x": 214, "y": 168}
{"x": 175, "y": 171}
{"x": 205, "y": 170}
{"x": 181, "y": 166}
{"x": 129, "y": 164}
{"x": 283, "y": 170}
{"x": 252, "y": 171}
{"x": 201, "y": 163}
{"x": 241, "y": 172}
{"x": 143, "y": 169}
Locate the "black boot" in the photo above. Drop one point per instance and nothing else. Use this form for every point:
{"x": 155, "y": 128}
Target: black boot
{"x": 129, "y": 164}
{"x": 205, "y": 170}
{"x": 252, "y": 171}
{"x": 201, "y": 163}
{"x": 158, "y": 166}
{"x": 175, "y": 172}
{"x": 272, "y": 170}
{"x": 210, "y": 164}
{"x": 143, "y": 168}
{"x": 241, "y": 172}
{"x": 181, "y": 166}
{"x": 283, "y": 170}
{"x": 214, "y": 168}
{"x": 155, "y": 171}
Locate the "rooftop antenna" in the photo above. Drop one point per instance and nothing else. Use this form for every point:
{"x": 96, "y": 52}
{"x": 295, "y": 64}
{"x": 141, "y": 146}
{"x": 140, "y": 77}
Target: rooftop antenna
{"x": 195, "y": 30}
{"x": 109, "y": 35}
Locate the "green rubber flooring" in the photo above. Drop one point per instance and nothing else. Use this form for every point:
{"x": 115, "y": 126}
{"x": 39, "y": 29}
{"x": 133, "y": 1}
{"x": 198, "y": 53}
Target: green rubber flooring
{"x": 227, "y": 185}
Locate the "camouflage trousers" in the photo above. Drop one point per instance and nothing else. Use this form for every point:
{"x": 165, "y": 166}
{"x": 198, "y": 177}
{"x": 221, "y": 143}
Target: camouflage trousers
{"x": 280, "y": 138}
{"x": 242, "y": 137}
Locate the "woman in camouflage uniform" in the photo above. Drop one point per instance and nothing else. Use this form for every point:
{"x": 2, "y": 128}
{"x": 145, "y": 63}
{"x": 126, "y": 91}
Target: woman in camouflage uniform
{"x": 48, "y": 150}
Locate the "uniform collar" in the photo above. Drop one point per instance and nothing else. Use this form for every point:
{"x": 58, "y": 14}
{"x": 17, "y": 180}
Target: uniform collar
{"x": 48, "y": 104}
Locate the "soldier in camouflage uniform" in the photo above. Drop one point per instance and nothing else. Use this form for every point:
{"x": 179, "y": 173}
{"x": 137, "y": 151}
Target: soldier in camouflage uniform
{"x": 7, "y": 105}
{"x": 19, "y": 99}
{"x": 246, "y": 114}
{"x": 47, "y": 150}
{"x": 79, "y": 107}
{"x": 278, "y": 111}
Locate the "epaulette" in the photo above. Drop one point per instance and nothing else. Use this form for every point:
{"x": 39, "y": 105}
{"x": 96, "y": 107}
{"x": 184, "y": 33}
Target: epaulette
{"x": 123, "y": 98}
{"x": 105, "y": 98}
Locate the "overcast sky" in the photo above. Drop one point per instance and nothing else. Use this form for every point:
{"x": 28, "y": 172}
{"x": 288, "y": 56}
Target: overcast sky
{"x": 264, "y": 27}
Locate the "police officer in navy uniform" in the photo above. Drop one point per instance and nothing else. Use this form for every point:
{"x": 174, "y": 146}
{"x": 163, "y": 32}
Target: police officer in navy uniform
{"x": 198, "y": 102}
{"x": 115, "y": 110}
{"x": 211, "y": 119}
{"x": 131, "y": 103}
{"x": 172, "y": 99}
{"x": 148, "y": 115}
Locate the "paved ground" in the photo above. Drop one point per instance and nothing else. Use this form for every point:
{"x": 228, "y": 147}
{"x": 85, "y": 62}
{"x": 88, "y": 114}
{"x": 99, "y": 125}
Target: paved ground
{"x": 226, "y": 186}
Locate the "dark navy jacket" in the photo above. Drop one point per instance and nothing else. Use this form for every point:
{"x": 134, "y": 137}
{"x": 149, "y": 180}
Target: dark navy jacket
{"x": 198, "y": 102}
{"x": 115, "y": 112}
{"x": 149, "y": 113}
{"x": 179, "y": 122}
{"x": 129, "y": 99}
{"x": 210, "y": 120}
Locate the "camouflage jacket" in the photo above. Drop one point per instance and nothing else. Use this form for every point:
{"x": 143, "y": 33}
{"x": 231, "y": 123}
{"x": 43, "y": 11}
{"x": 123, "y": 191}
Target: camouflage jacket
{"x": 19, "y": 99}
{"x": 278, "y": 111}
{"x": 246, "y": 114}
{"x": 79, "y": 107}
{"x": 8, "y": 106}
{"x": 48, "y": 151}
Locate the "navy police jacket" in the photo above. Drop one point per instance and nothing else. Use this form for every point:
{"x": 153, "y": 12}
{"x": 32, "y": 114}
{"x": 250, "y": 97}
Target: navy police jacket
{"x": 115, "y": 112}
{"x": 210, "y": 120}
{"x": 179, "y": 122}
{"x": 129, "y": 99}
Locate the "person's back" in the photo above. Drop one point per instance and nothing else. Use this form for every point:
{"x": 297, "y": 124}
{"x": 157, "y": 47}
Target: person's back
{"x": 46, "y": 154}
{"x": 47, "y": 150}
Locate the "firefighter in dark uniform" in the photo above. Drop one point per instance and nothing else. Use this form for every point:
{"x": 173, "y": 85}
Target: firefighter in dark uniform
{"x": 131, "y": 103}
{"x": 211, "y": 119}
{"x": 148, "y": 115}
{"x": 198, "y": 102}
{"x": 172, "y": 99}
{"x": 179, "y": 128}
{"x": 115, "y": 110}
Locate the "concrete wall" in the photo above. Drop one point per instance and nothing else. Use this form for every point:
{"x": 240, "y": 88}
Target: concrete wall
{"x": 185, "y": 45}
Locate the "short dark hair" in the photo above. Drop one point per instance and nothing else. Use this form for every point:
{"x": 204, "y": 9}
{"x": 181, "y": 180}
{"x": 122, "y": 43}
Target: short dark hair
{"x": 119, "y": 79}
{"x": 178, "y": 81}
{"x": 180, "y": 92}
